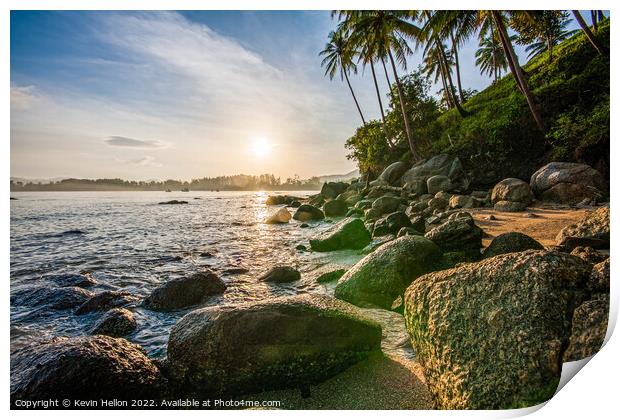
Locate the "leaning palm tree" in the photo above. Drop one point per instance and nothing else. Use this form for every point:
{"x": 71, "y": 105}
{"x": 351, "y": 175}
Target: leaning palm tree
{"x": 433, "y": 70}
{"x": 338, "y": 58}
{"x": 490, "y": 57}
{"x": 588, "y": 33}
{"x": 384, "y": 31}
{"x": 552, "y": 36}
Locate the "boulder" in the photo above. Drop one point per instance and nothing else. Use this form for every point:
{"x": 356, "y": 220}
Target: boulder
{"x": 386, "y": 204}
{"x": 490, "y": 335}
{"x": 443, "y": 164}
{"x": 462, "y": 202}
{"x": 330, "y": 276}
{"x": 279, "y": 200}
{"x": 84, "y": 368}
{"x": 392, "y": 174}
{"x": 589, "y": 254}
{"x": 173, "y": 202}
{"x": 66, "y": 280}
{"x": 512, "y": 189}
{"x": 509, "y": 206}
{"x": 588, "y": 330}
{"x": 333, "y": 189}
{"x": 380, "y": 277}
{"x": 351, "y": 197}
{"x": 415, "y": 186}
{"x": 391, "y": 224}
{"x": 349, "y": 233}
{"x": 52, "y": 298}
{"x": 567, "y": 183}
{"x": 307, "y": 212}
{"x": 592, "y": 230}
{"x": 282, "y": 215}
{"x": 376, "y": 242}
{"x": 438, "y": 183}
{"x": 335, "y": 208}
{"x": 408, "y": 231}
{"x": 185, "y": 291}
{"x": 599, "y": 278}
{"x": 437, "y": 203}
{"x": 106, "y": 300}
{"x": 458, "y": 233}
{"x": 281, "y": 274}
{"x": 286, "y": 342}
{"x": 510, "y": 242}
{"x": 116, "y": 322}
{"x": 364, "y": 204}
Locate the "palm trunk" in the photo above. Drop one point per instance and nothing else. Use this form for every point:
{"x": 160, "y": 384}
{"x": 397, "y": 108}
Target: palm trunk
{"x": 517, "y": 71}
{"x": 354, "y": 98}
{"x": 444, "y": 61}
{"x": 594, "y": 22}
{"x": 457, "y": 67}
{"x": 401, "y": 98}
{"x": 374, "y": 78}
{"x": 584, "y": 27}
{"x": 550, "y": 48}
{"x": 387, "y": 77}
{"x": 445, "y": 89}
{"x": 601, "y": 15}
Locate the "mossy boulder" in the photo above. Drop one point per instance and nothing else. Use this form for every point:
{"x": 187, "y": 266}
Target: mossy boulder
{"x": 386, "y": 204}
{"x": 349, "y": 233}
{"x": 333, "y": 189}
{"x": 589, "y": 329}
{"x": 185, "y": 291}
{"x": 510, "y": 242}
{"x": 307, "y": 212}
{"x": 281, "y": 274}
{"x": 457, "y": 233}
{"x": 567, "y": 183}
{"x": 335, "y": 208}
{"x": 592, "y": 230}
{"x": 491, "y": 334}
{"x": 380, "y": 277}
{"x": 117, "y": 322}
{"x": 512, "y": 189}
{"x": 279, "y": 343}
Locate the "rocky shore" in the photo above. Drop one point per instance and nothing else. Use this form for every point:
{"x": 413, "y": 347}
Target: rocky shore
{"x": 462, "y": 300}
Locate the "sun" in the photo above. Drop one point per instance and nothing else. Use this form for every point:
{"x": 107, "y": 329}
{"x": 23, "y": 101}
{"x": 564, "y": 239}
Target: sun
{"x": 260, "y": 147}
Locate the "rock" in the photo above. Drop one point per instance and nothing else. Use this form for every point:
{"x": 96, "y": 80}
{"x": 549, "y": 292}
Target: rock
{"x": 307, "y": 212}
{"x": 510, "y": 242}
{"x": 335, "y": 208}
{"x": 282, "y": 215}
{"x": 172, "y": 202}
{"x": 53, "y": 298}
{"x": 386, "y": 204}
{"x": 333, "y": 189}
{"x": 391, "y": 224}
{"x": 376, "y": 242}
{"x": 350, "y": 197}
{"x": 598, "y": 281}
{"x": 509, "y": 206}
{"x": 592, "y": 230}
{"x": 418, "y": 223}
{"x": 301, "y": 247}
{"x": 86, "y": 368}
{"x": 279, "y": 200}
{"x": 65, "y": 280}
{"x": 461, "y": 202}
{"x": 232, "y": 271}
{"x": 185, "y": 291}
{"x": 416, "y": 186}
{"x": 364, "y": 204}
{"x": 383, "y": 275}
{"x": 491, "y": 217}
{"x": 295, "y": 204}
{"x": 278, "y": 343}
{"x": 353, "y": 212}
{"x": 567, "y": 183}
{"x": 106, "y": 300}
{"x": 281, "y": 274}
{"x": 589, "y": 254}
{"x": 458, "y": 233}
{"x": 392, "y": 174}
{"x": 304, "y": 225}
{"x": 437, "y": 203}
{"x": 438, "y": 183}
{"x": 490, "y": 335}
{"x": 512, "y": 189}
{"x": 349, "y": 233}
{"x": 404, "y": 231}
{"x": 372, "y": 214}
{"x": 330, "y": 276}
{"x": 116, "y": 322}
{"x": 443, "y": 164}
{"x": 588, "y": 330}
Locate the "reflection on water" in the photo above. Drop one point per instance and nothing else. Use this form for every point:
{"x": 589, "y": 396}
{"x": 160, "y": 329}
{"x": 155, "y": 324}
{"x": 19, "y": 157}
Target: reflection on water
{"x": 129, "y": 242}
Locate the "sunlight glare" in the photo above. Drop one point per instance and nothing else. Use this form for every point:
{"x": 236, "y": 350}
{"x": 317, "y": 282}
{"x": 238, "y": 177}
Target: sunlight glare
{"x": 260, "y": 147}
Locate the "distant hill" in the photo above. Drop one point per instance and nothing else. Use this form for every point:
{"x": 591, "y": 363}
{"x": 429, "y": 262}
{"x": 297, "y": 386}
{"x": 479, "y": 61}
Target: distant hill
{"x": 345, "y": 177}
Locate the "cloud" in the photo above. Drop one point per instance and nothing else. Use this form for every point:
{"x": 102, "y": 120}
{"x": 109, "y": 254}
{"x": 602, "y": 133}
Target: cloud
{"x": 22, "y": 97}
{"x": 119, "y": 141}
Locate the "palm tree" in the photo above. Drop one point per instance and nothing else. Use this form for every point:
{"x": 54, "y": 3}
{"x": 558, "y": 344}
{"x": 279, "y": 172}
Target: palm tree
{"x": 553, "y": 35}
{"x": 337, "y": 58}
{"x": 434, "y": 70}
{"x": 490, "y": 57}
{"x": 586, "y": 30}
{"x": 384, "y": 32}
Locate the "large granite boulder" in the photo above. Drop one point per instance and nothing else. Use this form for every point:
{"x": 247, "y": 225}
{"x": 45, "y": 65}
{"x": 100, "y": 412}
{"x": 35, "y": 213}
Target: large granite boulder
{"x": 491, "y": 334}
{"x": 52, "y": 298}
{"x": 117, "y": 322}
{"x": 512, "y": 189}
{"x": 335, "y": 208}
{"x": 282, "y": 215}
{"x": 391, "y": 224}
{"x": 84, "y": 368}
{"x": 279, "y": 343}
{"x": 349, "y": 233}
{"x": 567, "y": 183}
{"x": 458, "y": 233}
{"x": 281, "y": 199}
{"x": 281, "y": 274}
{"x": 589, "y": 329}
{"x": 185, "y": 291}
{"x": 444, "y": 165}
{"x": 599, "y": 280}
{"x": 438, "y": 183}
{"x": 333, "y": 189}
{"x": 592, "y": 230}
{"x": 307, "y": 212}
{"x": 392, "y": 174}
{"x": 106, "y": 300}
{"x": 382, "y": 276}
{"x": 510, "y": 242}
{"x": 386, "y": 204}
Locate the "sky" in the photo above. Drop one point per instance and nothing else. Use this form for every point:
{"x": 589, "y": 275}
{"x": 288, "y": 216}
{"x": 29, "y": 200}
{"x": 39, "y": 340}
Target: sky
{"x": 182, "y": 95}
